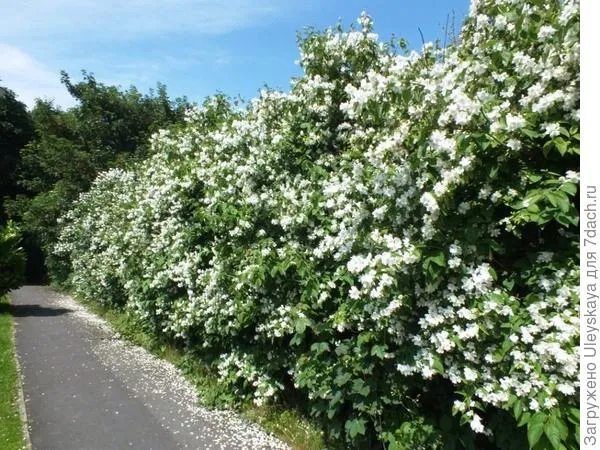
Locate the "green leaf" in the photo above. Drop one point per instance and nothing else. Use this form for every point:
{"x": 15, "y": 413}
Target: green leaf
{"x": 359, "y": 387}
{"x": 379, "y": 351}
{"x": 301, "y": 324}
{"x": 563, "y": 201}
{"x": 364, "y": 337}
{"x": 319, "y": 347}
{"x": 342, "y": 349}
{"x": 573, "y": 416}
{"x": 552, "y": 432}
{"x": 393, "y": 444}
{"x": 552, "y": 198}
{"x": 566, "y": 220}
{"x": 274, "y": 270}
{"x": 518, "y": 409}
{"x": 561, "y": 145}
{"x": 569, "y": 188}
{"x": 355, "y": 427}
{"x": 508, "y": 284}
{"x": 534, "y": 177}
{"x": 529, "y": 133}
{"x": 337, "y": 397}
{"x": 562, "y": 427}
{"x": 296, "y": 339}
{"x": 535, "y": 428}
{"x": 494, "y": 171}
{"x": 342, "y": 378}
{"x": 543, "y": 444}
{"x": 525, "y": 418}
{"x": 438, "y": 365}
{"x": 438, "y": 258}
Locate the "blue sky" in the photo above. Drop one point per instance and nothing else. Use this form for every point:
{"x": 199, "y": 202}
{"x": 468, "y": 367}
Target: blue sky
{"x": 195, "y": 47}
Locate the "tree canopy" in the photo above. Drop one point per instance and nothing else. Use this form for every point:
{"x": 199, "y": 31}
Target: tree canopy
{"x": 57, "y": 153}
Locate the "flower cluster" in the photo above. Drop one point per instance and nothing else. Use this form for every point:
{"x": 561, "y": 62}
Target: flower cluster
{"x": 405, "y": 214}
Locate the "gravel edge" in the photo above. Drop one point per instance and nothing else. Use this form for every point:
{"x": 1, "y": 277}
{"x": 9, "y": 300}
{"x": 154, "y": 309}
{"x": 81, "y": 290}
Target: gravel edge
{"x": 20, "y": 395}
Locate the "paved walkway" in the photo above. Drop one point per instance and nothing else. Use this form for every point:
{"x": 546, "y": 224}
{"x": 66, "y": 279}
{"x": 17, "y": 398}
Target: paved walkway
{"x": 86, "y": 389}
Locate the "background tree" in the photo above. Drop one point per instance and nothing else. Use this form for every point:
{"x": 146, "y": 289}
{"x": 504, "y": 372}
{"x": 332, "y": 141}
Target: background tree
{"x": 16, "y": 129}
{"x": 108, "y": 128}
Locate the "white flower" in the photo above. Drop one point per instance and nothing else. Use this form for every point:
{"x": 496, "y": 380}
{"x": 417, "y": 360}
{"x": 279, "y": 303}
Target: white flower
{"x": 463, "y": 207}
{"x": 440, "y": 142}
{"x": 460, "y": 406}
{"x": 365, "y": 21}
{"x": 551, "y": 129}
{"x": 379, "y": 212}
{"x": 496, "y": 196}
{"x": 454, "y": 262}
{"x": 429, "y": 202}
{"x": 514, "y": 122}
{"x": 566, "y": 389}
{"x": 534, "y": 405}
{"x": 358, "y": 263}
{"x": 482, "y": 20}
{"x": 546, "y": 31}
{"x": 354, "y": 293}
{"x": 480, "y": 279}
{"x": 572, "y": 176}
{"x": 470, "y": 374}
{"x": 500, "y": 22}
{"x": 476, "y": 424}
{"x": 514, "y": 144}
{"x": 570, "y": 9}
{"x": 484, "y": 192}
{"x": 367, "y": 278}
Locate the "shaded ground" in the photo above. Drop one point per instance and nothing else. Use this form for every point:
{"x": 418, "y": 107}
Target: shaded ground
{"x": 86, "y": 389}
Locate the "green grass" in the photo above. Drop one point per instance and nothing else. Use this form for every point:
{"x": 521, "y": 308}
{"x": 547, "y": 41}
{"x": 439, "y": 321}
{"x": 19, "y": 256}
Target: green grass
{"x": 288, "y": 425}
{"x": 284, "y": 423}
{"x": 11, "y": 431}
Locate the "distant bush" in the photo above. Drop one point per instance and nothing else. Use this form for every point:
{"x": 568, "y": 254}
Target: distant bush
{"x": 12, "y": 258}
{"x": 394, "y": 242}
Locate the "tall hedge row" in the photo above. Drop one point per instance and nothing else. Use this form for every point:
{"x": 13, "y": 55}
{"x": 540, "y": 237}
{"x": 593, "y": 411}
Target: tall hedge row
{"x": 392, "y": 244}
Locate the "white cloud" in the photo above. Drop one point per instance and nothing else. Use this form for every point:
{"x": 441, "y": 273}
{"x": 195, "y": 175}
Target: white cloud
{"x": 123, "y": 42}
{"x": 30, "y": 79}
{"x": 123, "y": 19}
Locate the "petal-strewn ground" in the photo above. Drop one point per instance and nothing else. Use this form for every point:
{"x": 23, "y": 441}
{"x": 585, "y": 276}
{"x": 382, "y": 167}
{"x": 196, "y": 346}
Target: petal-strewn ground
{"x": 86, "y": 389}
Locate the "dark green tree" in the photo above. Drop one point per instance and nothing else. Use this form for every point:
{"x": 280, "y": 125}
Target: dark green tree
{"x": 16, "y": 130}
{"x": 108, "y": 127}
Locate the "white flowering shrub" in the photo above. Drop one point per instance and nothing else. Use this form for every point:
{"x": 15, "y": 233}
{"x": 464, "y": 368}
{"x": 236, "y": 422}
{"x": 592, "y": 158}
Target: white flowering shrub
{"x": 394, "y": 241}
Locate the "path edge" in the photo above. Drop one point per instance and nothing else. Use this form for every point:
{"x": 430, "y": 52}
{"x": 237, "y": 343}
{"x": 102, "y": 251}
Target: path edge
{"x": 20, "y": 395}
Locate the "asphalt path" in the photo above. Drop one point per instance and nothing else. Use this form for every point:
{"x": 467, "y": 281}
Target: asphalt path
{"x": 85, "y": 388}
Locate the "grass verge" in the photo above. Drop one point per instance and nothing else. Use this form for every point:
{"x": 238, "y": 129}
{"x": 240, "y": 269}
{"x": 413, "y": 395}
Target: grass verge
{"x": 11, "y": 431}
{"x": 284, "y": 423}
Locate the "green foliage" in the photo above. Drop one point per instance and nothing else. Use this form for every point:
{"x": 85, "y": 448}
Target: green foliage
{"x": 16, "y": 130}
{"x": 108, "y": 127}
{"x": 12, "y": 258}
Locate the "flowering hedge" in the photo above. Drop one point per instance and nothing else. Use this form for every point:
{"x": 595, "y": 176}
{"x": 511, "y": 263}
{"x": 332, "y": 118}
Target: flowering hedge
{"x": 394, "y": 241}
